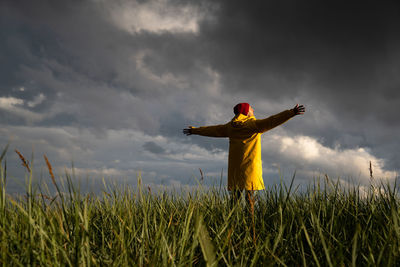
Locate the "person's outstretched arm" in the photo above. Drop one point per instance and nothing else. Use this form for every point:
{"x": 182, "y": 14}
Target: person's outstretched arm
{"x": 277, "y": 119}
{"x": 212, "y": 131}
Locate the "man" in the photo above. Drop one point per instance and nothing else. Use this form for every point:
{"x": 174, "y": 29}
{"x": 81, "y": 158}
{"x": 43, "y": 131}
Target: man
{"x": 244, "y": 132}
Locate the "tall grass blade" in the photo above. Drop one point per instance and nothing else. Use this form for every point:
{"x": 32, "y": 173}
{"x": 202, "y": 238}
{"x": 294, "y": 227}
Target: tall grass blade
{"x": 310, "y": 245}
{"x": 207, "y": 247}
{"x": 4, "y": 152}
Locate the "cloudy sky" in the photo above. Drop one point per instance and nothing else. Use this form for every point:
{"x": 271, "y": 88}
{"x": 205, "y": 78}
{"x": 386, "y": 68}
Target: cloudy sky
{"x": 109, "y": 85}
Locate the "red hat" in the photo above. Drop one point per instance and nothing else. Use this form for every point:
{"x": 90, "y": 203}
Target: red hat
{"x": 242, "y": 108}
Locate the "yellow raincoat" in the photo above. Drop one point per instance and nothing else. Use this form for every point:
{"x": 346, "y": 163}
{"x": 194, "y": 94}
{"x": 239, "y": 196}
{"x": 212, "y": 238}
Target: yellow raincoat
{"x": 244, "y": 132}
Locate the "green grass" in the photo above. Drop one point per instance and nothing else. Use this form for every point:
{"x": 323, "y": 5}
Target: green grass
{"x": 326, "y": 225}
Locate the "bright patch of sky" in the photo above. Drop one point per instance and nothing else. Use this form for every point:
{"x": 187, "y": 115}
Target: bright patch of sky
{"x": 156, "y": 16}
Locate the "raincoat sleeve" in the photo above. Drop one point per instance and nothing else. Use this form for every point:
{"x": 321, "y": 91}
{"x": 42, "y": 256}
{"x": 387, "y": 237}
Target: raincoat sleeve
{"x": 273, "y": 121}
{"x": 212, "y": 131}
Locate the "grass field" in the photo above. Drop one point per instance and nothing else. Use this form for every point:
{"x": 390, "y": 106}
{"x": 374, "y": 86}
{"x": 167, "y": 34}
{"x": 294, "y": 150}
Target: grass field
{"x": 325, "y": 225}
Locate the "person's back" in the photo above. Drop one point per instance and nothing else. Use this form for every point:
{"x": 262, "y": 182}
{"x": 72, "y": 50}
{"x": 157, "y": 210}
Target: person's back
{"x": 244, "y": 164}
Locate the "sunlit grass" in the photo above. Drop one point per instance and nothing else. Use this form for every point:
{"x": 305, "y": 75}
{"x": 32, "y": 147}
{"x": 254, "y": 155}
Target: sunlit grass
{"x": 327, "y": 225}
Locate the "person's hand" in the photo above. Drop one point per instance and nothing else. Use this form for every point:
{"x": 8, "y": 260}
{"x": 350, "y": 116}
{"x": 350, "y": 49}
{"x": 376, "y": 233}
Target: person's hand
{"x": 298, "y": 110}
{"x": 188, "y": 131}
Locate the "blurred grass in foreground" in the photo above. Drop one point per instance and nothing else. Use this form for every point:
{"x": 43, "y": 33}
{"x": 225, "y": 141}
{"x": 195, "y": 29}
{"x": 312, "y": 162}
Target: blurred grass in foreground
{"x": 326, "y": 225}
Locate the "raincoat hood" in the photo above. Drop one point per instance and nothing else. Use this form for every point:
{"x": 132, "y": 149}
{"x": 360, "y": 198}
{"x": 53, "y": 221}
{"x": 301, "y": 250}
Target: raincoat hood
{"x": 240, "y": 120}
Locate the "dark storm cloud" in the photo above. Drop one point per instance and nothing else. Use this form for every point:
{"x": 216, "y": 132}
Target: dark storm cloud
{"x": 79, "y": 60}
{"x": 339, "y": 58}
{"x": 337, "y": 43}
{"x": 341, "y": 51}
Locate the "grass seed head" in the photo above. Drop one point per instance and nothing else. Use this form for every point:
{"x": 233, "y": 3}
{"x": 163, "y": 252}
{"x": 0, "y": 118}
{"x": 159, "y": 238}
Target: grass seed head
{"x": 25, "y": 163}
{"x": 50, "y": 169}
